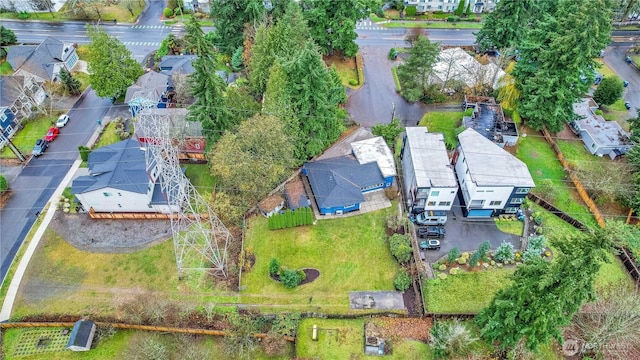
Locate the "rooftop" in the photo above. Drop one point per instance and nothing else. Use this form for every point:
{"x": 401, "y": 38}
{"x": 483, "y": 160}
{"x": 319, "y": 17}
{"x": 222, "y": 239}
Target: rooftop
{"x": 604, "y": 133}
{"x": 490, "y": 165}
{"x": 375, "y": 150}
{"x": 430, "y": 158}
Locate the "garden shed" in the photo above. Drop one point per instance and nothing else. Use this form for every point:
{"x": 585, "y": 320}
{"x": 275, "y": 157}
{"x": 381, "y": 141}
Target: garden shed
{"x": 271, "y": 205}
{"x": 82, "y": 335}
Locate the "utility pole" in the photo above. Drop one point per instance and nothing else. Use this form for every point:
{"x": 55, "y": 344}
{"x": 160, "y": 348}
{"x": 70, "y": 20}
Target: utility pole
{"x": 393, "y": 111}
{"x": 13, "y": 148}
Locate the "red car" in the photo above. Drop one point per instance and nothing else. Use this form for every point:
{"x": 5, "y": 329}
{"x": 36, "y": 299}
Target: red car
{"x": 52, "y": 134}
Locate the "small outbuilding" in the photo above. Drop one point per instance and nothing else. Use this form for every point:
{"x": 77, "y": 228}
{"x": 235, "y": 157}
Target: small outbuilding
{"x": 82, "y": 335}
{"x": 271, "y": 205}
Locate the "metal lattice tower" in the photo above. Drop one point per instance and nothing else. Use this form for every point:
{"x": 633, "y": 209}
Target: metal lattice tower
{"x": 199, "y": 237}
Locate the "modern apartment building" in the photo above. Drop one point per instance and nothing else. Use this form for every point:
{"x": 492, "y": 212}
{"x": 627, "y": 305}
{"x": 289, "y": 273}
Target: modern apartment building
{"x": 477, "y": 6}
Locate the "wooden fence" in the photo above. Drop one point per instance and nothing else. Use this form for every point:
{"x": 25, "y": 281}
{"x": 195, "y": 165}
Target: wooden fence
{"x": 557, "y": 212}
{"x": 576, "y": 182}
{"x": 138, "y": 216}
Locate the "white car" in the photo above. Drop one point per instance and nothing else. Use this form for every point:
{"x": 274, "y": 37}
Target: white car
{"x": 62, "y": 120}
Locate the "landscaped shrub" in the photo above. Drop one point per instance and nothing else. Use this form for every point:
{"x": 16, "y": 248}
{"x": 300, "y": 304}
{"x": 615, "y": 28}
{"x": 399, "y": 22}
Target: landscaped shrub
{"x": 291, "y": 218}
{"x": 353, "y": 82}
{"x": 442, "y": 276}
{"x": 536, "y": 245}
{"x": 167, "y": 12}
{"x": 291, "y": 278}
{"x": 23, "y": 15}
{"x": 442, "y": 267}
{"x": 400, "y": 247}
{"x": 452, "y": 255}
{"x": 504, "y": 252}
{"x": 410, "y": 11}
{"x": 453, "y": 19}
{"x": 274, "y": 266}
{"x": 462, "y": 260}
{"x": 483, "y": 250}
{"x": 84, "y": 152}
{"x": 475, "y": 259}
{"x": 394, "y": 222}
{"x": 454, "y": 271}
{"x": 402, "y": 281}
{"x": 450, "y": 339}
{"x": 3, "y": 184}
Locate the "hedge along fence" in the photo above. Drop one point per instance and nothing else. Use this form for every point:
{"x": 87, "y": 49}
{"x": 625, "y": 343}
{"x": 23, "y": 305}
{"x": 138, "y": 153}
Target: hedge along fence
{"x": 579, "y": 187}
{"x": 291, "y": 218}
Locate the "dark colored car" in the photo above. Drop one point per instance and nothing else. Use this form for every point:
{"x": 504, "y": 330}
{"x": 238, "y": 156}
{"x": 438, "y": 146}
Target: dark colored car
{"x": 430, "y": 245}
{"x": 52, "y": 134}
{"x": 627, "y": 105}
{"x": 431, "y": 232}
{"x": 40, "y": 146}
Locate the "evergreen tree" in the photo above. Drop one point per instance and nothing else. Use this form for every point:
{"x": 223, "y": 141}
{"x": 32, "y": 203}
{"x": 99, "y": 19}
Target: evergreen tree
{"x": 112, "y": 69}
{"x": 230, "y": 17}
{"x": 609, "y": 91}
{"x": 71, "y": 84}
{"x": 544, "y": 295}
{"x": 236, "y": 59}
{"x": 7, "y": 36}
{"x": 468, "y": 11}
{"x": 460, "y": 9}
{"x": 555, "y": 54}
{"x": 506, "y": 25}
{"x": 415, "y": 72}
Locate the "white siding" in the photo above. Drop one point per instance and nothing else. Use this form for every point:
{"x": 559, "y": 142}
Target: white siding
{"x": 441, "y": 199}
{"x": 115, "y": 201}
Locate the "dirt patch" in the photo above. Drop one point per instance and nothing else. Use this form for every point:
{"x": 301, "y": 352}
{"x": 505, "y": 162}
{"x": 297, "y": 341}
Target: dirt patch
{"x": 566, "y": 134}
{"x": 412, "y": 301}
{"x": 109, "y": 236}
{"x": 404, "y": 328}
{"x": 4, "y": 197}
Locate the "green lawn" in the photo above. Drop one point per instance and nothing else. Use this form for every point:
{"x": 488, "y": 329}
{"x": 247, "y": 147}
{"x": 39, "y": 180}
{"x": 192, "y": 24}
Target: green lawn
{"x": 465, "y": 292}
{"x": 605, "y": 70}
{"x": 108, "y": 136}
{"x": 444, "y": 122}
{"x": 549, "y": 176}
{"x": 434, "y": 25}
{"x": 33, "y": 130}
{"x": 514, "y": 227}
{"x": 5, "y": 68}
{"x": 351, "y": 254}
{"x": 125, "y": 343}
{"x": 344, "y": 339}
{"x": 396, "y": 81}
{"x": 107, "y": 13}
{"x": 201, "y": 178}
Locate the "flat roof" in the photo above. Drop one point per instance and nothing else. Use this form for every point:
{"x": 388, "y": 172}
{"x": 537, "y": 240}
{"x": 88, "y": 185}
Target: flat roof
{"x": 375, "y": 149}
{"x": 430, "y": 159}
{"x": 604, "y": 133}
{"x": 490, "y": 165}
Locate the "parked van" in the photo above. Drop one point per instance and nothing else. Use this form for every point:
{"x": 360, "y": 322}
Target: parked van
{"x": 433, "y": 217}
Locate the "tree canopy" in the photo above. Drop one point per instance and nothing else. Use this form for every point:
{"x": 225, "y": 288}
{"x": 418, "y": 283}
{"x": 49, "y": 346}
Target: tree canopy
{"x": 415, "y": 72}
{"x": 230, "y": 17}
{"x": 609, "y": 91}
{"x": 333, "y": 23}
{"x": 112, "y": 69}
{"x": 7, "y": 36}
{"x": 506, "y": 25}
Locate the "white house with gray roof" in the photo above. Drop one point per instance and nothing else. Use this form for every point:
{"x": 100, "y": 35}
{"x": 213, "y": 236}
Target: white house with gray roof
{"x": 429, "y": 180}
{"x": 600, "y": 137}
{"x": 492, "y": 181}
{"x": 119, "y": 181}
{"x": 43, "y": 61}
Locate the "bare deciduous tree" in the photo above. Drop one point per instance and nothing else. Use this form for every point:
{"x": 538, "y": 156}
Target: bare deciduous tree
{"x": 182, "y": 89}
{"x": 414, "y": 34}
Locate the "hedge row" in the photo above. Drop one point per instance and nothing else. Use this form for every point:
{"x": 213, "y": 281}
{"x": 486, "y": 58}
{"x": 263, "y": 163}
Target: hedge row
{"x": 291, "y": 218}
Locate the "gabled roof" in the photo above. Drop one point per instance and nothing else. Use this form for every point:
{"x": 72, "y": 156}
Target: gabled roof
{"x": 82, "y": 334}
{"x": 430, "y": 159}
{"x": 10, "y": 89}
{"x": 339, "y": 181}
{"x": 604, "y": 133}
{"x": 455, "y": 63}
{"x": 490, "y": 165}
{"x": 177, "y": 63}
{"x": 119, "y": 166}
{"x": 149, "y": 86}
{"x": 38, "y": 60}
{"x": 375, "y": 150}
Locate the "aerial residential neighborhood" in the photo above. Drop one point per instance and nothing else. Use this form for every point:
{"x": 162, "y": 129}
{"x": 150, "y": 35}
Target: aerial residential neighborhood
{"x": 249, "y": 179}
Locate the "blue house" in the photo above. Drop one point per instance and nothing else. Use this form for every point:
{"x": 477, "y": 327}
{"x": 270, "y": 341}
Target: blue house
{"x": 338, "y": 184}
{"x": 19, "y": 97}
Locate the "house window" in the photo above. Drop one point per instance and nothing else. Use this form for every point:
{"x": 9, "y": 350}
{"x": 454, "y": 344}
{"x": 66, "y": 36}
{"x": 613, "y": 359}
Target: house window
{"x": 517, "y": 201}
{"x": 477, "y": 202}
{"x": 480, "y": 190}
{"x": 593, "y": 146}
{"x": 422, "y": 193}
{"x": 489, "y": 190}
{"x": 107, "y": 194}
{"x": 14, "y": 109}
{"x": 3, "y": 117}
{"x": 510, "y": 210}
{"x": 444, "y": 203}
{"x": 431, "y": 203}
{"x": 435, "y": 193}
{"x": 495, "y": 203}
{"x": 9, "y": 129}
{"x": 522, "y": 191}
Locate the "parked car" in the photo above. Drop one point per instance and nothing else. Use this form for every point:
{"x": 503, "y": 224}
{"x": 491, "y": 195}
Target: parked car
{"x": 430, "y": 245}
{"x": 628, "y": 59}
{"x": 431, "y": 218}
{"x": 627, "y": 105}
{"x": 431, "y": 232}
{"x": 62, "y": 120}
{"x": 40, "y": 146}
{"x": 52, "y": 134}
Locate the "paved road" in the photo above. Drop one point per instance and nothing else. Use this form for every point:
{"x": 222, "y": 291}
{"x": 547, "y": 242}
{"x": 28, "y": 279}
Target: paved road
{"x": 35, "y": 184}
{"x": 614, "y": 58}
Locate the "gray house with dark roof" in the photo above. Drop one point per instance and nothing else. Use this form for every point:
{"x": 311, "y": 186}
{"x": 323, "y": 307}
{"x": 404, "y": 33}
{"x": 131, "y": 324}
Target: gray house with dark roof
{"x": 338, "y": 183}
{"x": 150, "y": 88}
{"x": 43, "y": 61}
{"x": 119, "y": 181}
{"x": 19, "y": 95}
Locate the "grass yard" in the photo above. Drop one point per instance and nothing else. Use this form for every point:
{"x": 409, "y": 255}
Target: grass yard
{"x": 434, "y": 24}
{"x": 33, "y": 130}
{"x": 108, "y": 136}
{"x": 444, "y": 122}
{"x": 63, "y": 279}
{"x": 396, "y": 81}
{"x": 119, "y": 12}
{"x": 549, "y": 176}
{"x": 344, "y": 339}
{"x": 5, "y": 68}
{"x": 604, "y": 69}
{"x": 351, "y": 254}
{"x": 514, "y": 227}
{"x": 200, "y": 177}
{"x": 346, "y": 68}
{"x": 465, "y": 292}
{"x": 127, "y": 344}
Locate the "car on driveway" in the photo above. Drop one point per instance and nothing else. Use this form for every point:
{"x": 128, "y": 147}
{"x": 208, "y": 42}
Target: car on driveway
{"x": 40, "y": 146}
{"x": 430, "y": 245}
{"x": 62, "y": 120}
{"x": 430, "y": 232}
{"x": 52, "y": 134}
{"x": 431, "y": 217}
